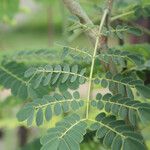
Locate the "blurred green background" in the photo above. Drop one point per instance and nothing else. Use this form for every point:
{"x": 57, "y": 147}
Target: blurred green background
{"x": 39, "y": 24}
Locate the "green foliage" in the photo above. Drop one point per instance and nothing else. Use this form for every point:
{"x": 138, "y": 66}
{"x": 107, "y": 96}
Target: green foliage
{"x": 116, "y": 134}
{"x": 119, "y": 57}
{"x": 49, "y": 106}
{"x": 110, "y": 128}
{"x": 124, "y": 84}
{"x": 123, "y": 107}
{"x": 8, "y": 9}
{"x": 66, "y": 135}
{"x": 52, "y": 86}
{"x": 56, "y": 75}
{"x": 35, "y": 56}
{"x": 12, "y": 77}
{"x": 119, "y": 30}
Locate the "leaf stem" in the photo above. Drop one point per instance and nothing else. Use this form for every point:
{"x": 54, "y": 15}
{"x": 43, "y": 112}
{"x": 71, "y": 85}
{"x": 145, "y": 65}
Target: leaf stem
{"x": 74, "y": 49}
{"x": 56, "y": 102}
{"x": 93, "y": 61}
{"x": 63, "y": 72}
{"x": 122, "y": 15}
{"x": 108, "y": 127}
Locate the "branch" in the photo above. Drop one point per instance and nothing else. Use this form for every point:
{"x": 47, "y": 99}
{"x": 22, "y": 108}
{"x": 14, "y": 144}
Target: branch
{"x": 75, "y": 8}
{"x": 104, "y": 41}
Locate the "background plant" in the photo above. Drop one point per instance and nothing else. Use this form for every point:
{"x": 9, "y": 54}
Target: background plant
{"x": 122, "y": 113}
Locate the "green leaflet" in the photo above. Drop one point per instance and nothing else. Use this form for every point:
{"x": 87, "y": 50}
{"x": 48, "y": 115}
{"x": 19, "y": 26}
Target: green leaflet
{"x": 66, "y": 135}
{"x": 66, "y": 76}
{"x": 49, "y": 106}
{"x": 48, "y": 113}
{"x": 25, "y": 112}
{"x": 30, "y": 118}
{"x": 116, "y": 134}
{"x": 75, "y": 105}
{"x": 117, "y": 143}
{"x": 53, "y": 144}
{"x": 65, "y": 107}
{"x": 47, "y": 79}
{"x": 30, "y": 72}
{"x": 145, "y": 91}
{"x": 123, "y": 107}
{"x": 76, "y": 95}
{"x": 123, "y": 112}
{"x": 57, "y": 73}
{"x": 38, "y": 80}
{"x": 82, "y": 79}
{"x": 74, "y": 69}
{"x": 144, "y": 113}
{"x": 135, "y": 31}
{"x": 39, "y": 117}
{"x": 104, "y": 83}
{"x": 108, "y": 139}
{"x": 132, "y": 116}
{"x": 131, "y": 143}
{"x": 57, "y": 109}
